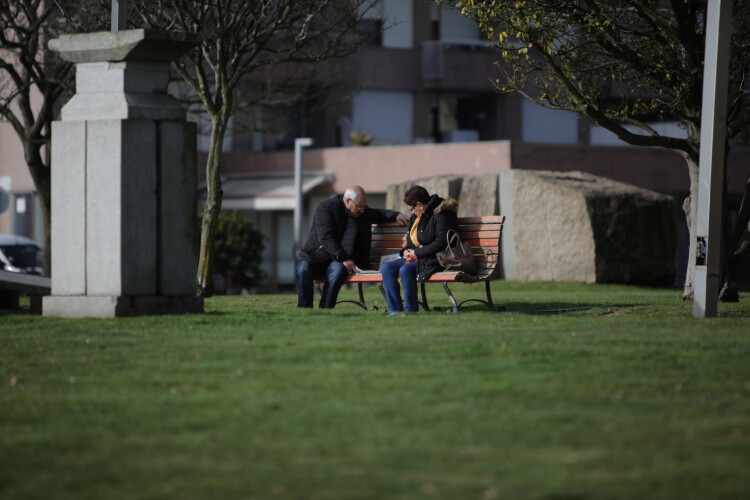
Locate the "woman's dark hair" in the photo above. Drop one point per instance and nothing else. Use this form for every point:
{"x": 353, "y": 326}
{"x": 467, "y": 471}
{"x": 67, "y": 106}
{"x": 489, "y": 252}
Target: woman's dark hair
{"x": 416, "y": 194}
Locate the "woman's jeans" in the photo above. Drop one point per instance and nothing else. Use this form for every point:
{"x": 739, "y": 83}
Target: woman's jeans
{"x": 335, "y": 273}
{"x": 391, "y": 271}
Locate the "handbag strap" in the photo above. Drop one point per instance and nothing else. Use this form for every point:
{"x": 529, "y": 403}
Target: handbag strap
{"x": 450, "y": 235}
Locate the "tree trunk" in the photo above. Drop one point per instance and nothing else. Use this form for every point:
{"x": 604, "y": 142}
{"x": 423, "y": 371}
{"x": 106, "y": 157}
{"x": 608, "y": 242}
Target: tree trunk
{"x": 738, "y": 245}
{"x": 47, "y": 218}
{"x": 691, "y": 213}
{"x": 211, "y": 209}
{"x": 40, "y": 174}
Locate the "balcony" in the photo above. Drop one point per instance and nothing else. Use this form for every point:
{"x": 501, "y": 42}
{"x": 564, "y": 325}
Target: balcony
{"x": 460, "y": 65}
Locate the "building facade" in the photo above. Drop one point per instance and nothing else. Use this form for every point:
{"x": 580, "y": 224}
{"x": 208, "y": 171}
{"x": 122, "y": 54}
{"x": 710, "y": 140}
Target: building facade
{"x": 422, "y": 91}
{"x": 425, "y": 83}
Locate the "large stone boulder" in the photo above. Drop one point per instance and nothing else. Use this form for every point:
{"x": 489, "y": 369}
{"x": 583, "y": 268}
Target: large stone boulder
{"x": 478, "y": 196}
{"x": 443, "y": 185}
{"x": 574, "y": 226}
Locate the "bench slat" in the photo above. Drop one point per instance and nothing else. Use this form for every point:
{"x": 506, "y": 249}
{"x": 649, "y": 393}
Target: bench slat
{"x": 388, "y": 237}
{"x": 475, "y": 225}
{"x": 497, "y": 219}
{"x": 475, "y": 242}
{"x": 387, "y": 229}
{"x": 479, "y": 252}
{"x": 384, "y": 244}
{"x": 483, "y": 242}
{"x": 479, "y": 234}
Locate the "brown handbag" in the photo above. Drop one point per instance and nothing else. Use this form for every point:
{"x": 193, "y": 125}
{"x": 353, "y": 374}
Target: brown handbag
{"x": 458, "y": 257}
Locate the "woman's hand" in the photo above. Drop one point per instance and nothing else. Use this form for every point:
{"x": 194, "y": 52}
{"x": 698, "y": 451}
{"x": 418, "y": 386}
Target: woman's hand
{"x": 409, "y": 255}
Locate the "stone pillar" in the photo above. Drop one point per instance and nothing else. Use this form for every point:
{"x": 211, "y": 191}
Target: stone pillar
{"x": 124, "y": 197}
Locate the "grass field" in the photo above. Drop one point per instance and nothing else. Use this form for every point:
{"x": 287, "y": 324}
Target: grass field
{"x": 630, "y": 398}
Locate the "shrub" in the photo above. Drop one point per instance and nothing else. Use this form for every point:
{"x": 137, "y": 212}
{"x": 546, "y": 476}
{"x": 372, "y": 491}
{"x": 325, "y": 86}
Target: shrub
{"x": 238, "y": 249}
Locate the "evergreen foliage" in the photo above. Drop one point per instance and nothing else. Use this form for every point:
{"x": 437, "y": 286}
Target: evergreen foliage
{"x": 238, "y": 249}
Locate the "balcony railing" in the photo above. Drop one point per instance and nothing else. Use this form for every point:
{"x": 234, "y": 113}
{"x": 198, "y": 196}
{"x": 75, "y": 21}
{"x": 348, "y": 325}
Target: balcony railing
{"x": 451, "y": 65}
{"x": 436, "y": 55}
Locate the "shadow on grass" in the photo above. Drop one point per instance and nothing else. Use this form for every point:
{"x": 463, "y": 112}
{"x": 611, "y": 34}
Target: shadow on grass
{"x": 549, "y": 308}
{"x": 534, "y": 308}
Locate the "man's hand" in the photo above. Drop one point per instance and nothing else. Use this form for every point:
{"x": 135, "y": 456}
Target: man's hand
{"x": 402, "y": 220}
{"x": 350, "y": 266}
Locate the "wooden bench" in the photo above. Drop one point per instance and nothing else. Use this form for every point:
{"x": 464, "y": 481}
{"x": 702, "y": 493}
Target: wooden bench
{"x": 483, "y": 233}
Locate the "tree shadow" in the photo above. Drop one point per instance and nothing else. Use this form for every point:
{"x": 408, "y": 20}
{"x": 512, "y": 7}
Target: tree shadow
{"x": 548, "y": 308}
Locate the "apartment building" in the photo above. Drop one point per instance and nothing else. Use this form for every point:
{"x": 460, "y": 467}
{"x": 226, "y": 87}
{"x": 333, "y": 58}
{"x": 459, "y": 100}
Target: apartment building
{"x": 423, "y": 84}
{"x": 426, "y": 81}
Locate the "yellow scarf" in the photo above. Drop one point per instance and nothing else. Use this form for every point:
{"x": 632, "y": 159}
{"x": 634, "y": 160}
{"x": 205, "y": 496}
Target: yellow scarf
{"x": 413, "y": 232}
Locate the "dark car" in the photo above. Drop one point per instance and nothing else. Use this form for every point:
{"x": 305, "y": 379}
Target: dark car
{"x": 19, "y": 254}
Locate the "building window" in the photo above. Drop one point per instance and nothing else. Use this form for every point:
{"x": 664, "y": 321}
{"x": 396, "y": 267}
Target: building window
{"x": 23, "y": 214}
{"x": 372, "y": 30}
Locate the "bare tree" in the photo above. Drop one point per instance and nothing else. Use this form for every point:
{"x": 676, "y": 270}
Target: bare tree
{"x": 33, "y": 82}
{"x": 253, "y": 52}
{"x": 622, "y": 63}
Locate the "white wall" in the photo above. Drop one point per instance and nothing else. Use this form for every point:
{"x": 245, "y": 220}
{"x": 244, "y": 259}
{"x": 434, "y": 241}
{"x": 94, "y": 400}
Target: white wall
{"x": 600, "y": 136}
{"x": 387, "y": 116}
{"x": 15, "y": 178}
{"x": 398, "y": 19}
{"x": 285, "y": 243}
{"x": 548, "y": 125}
{"x": 371, "y": 9}
{"x": 455, "y": 26}
{"x": 197, "y": 114}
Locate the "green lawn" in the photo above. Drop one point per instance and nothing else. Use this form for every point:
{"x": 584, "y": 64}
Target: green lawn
{"x": 632, "y": 398}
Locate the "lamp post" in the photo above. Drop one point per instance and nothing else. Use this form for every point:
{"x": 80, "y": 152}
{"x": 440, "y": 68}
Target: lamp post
{"x": 119, "y": 15}
{"x": 299, "y": 143}
{"x": 712, "y": 156}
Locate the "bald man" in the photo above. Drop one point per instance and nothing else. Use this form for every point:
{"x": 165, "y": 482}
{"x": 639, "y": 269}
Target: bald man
{"x": 338, "y": 243}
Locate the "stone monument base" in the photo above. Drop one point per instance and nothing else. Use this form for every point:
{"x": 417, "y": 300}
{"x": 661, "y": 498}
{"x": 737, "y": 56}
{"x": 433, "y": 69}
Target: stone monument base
{"x": 104, "y": 306}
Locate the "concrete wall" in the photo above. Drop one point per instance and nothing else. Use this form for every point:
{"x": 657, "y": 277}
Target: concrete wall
{"x": 399, "y": 24}
{"x": 455, "y": 26}
{"x": 547, "y": 125}
{"x": 387, "y": 116}
{"x": 374, "y": 167}
{"x": 14, "y": 174}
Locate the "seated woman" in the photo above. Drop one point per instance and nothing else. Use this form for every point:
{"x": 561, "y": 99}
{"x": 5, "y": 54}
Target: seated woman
{"x": 431, "y": 218}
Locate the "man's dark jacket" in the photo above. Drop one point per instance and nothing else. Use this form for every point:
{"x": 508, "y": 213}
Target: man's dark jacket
{"x": 439, "y": 216}
{"x": 327, "y": 231}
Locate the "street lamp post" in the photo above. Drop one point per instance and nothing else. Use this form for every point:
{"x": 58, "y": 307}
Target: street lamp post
{"x": 299, "y": 143}
{"x": 119, "y": 15}
{"x": 712, "y": 157}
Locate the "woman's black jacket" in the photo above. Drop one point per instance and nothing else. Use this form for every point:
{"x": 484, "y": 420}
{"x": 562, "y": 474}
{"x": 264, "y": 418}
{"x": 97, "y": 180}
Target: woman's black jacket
{"x": 439, "y": 216}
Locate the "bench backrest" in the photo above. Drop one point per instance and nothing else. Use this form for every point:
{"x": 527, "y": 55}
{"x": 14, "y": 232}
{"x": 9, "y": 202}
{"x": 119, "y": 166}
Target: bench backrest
{"x": 483, "y": 233}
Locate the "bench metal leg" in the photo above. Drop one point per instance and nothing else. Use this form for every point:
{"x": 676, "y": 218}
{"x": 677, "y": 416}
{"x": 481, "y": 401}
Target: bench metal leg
{"x": 361, "y": 302}
{"x": 450, "y": 296}
{"x": 424, "y": 304}
{"x": 487, "y": 302}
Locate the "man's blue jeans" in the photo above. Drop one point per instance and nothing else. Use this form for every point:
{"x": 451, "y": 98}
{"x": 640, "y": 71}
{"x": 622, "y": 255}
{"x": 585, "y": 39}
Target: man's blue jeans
{"x": 335, "y": 273}
{"x": 391, "y": 271}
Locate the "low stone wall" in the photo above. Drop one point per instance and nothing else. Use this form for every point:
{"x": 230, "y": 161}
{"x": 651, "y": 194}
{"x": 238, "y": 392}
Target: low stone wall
{"x": 567, "y": 226}
{"x": 444, "y": 185}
